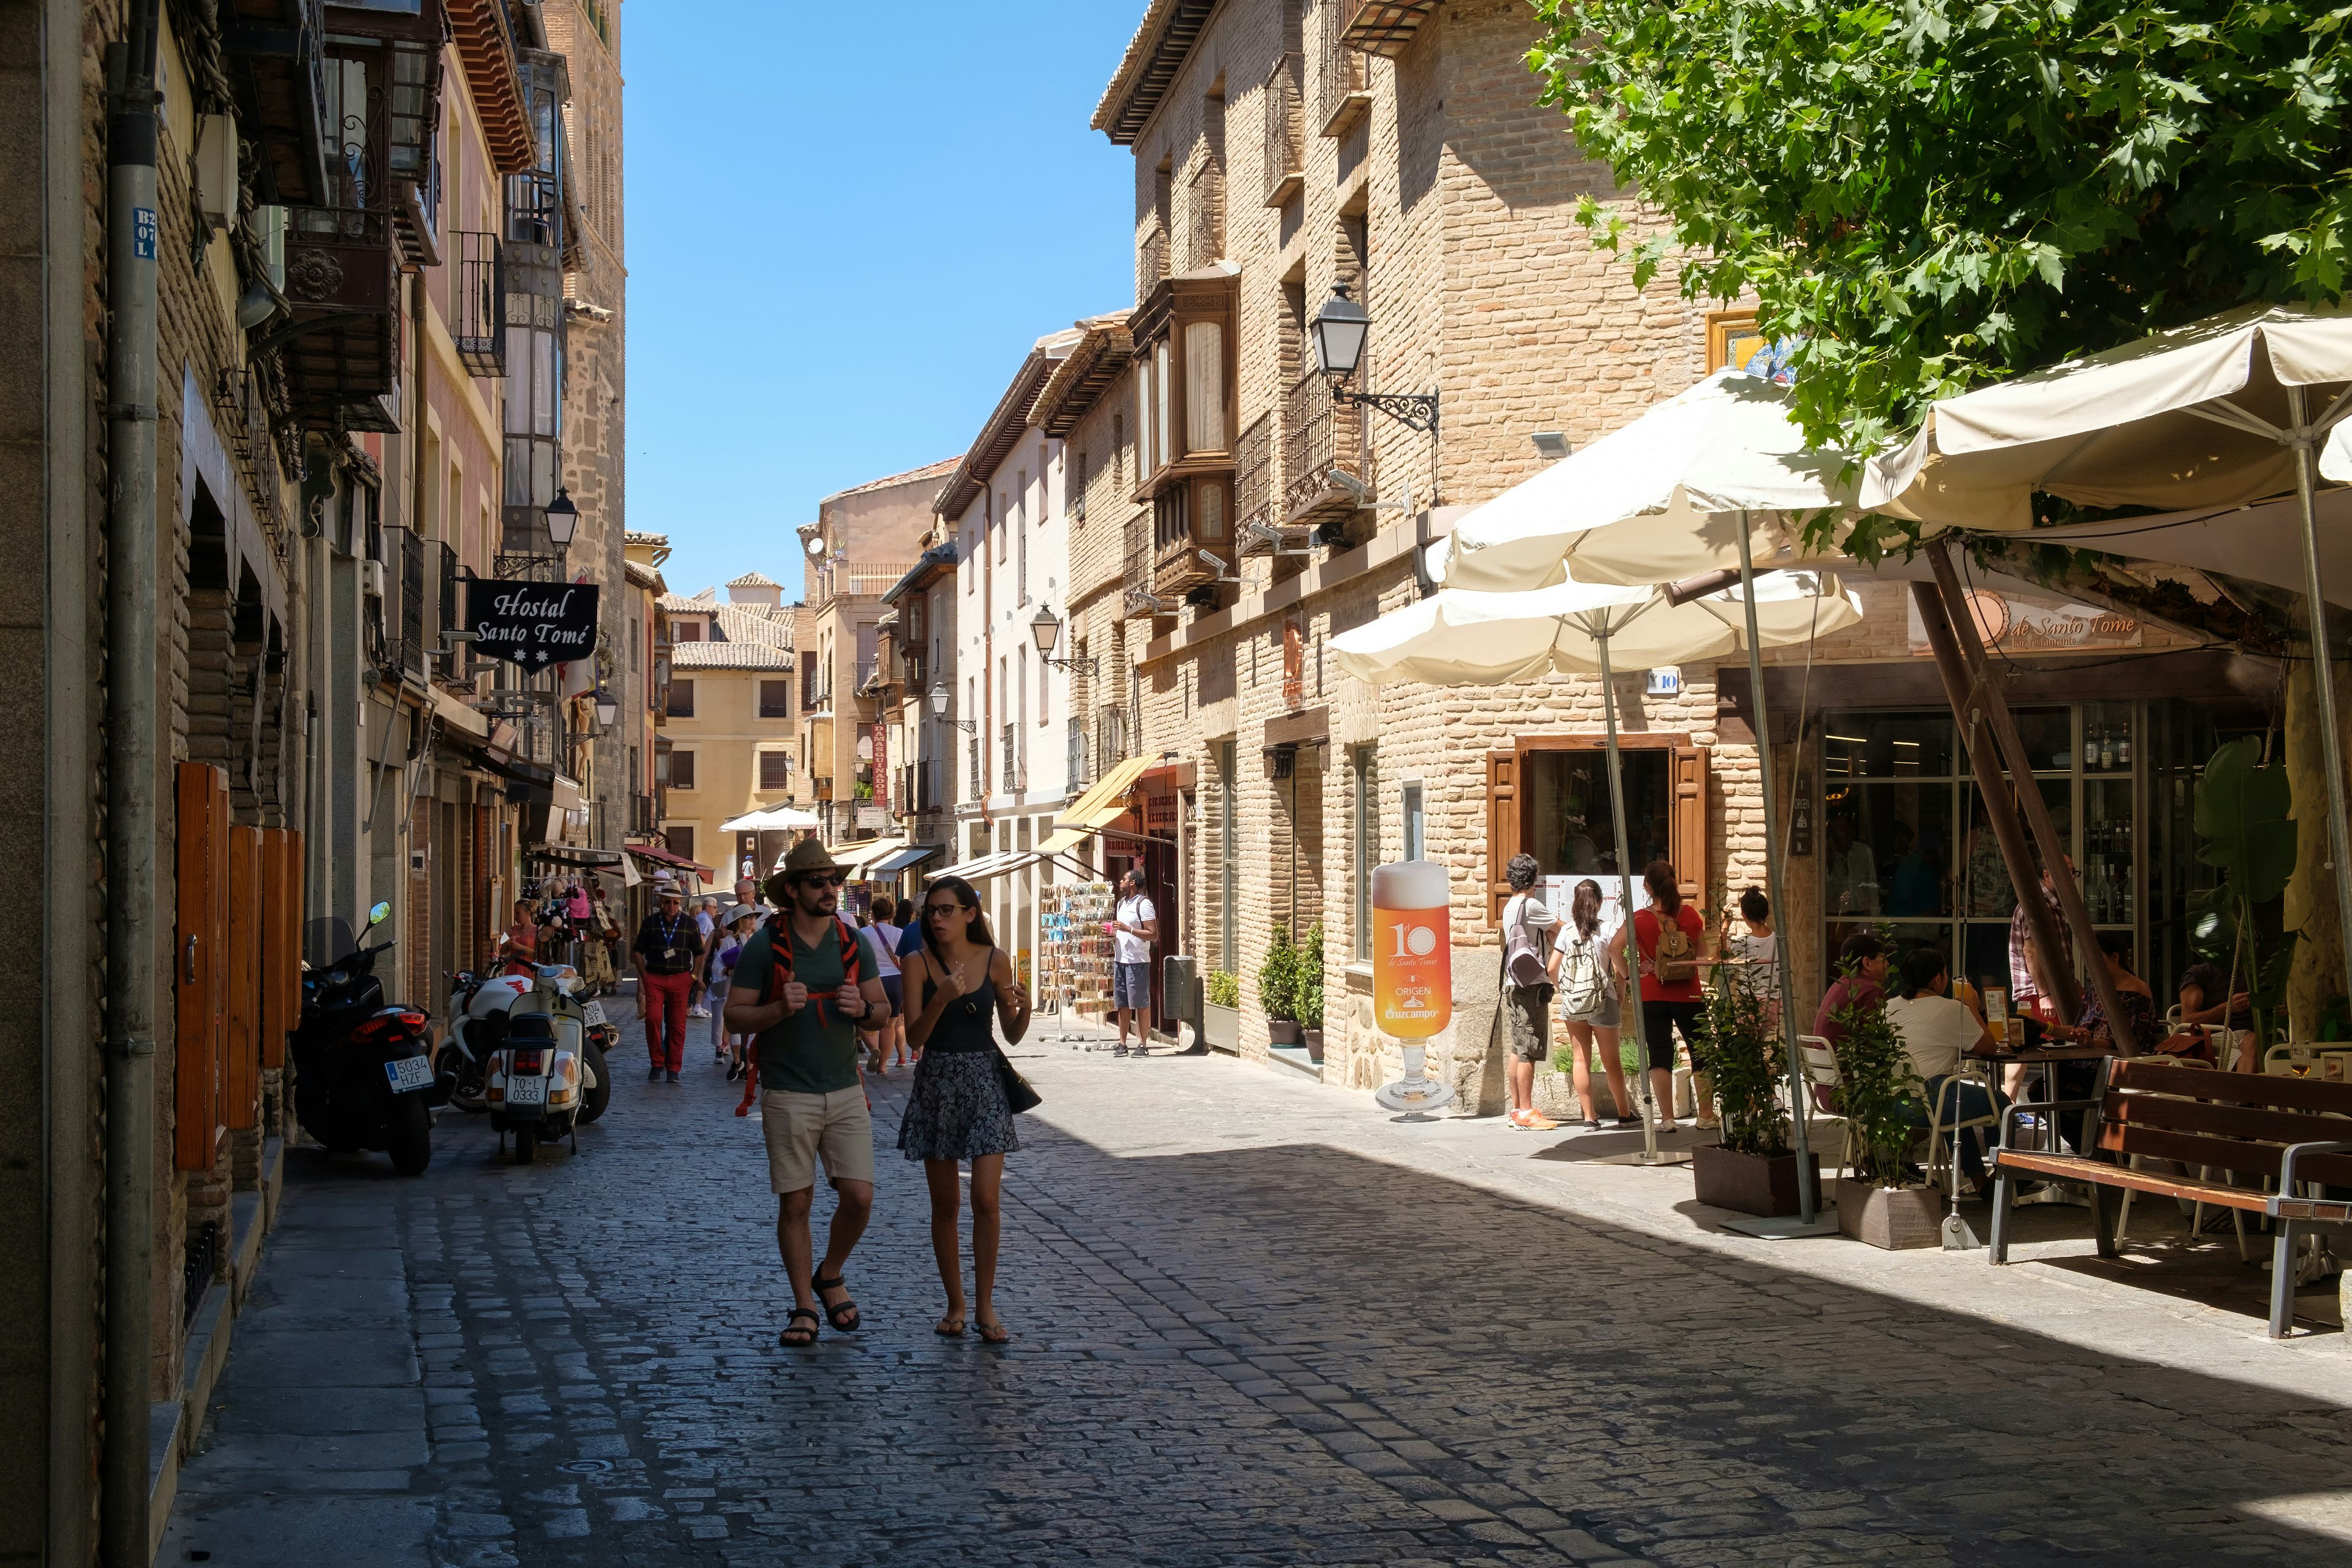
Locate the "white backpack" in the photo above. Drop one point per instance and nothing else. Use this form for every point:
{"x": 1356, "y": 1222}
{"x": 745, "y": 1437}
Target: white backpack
{"x": 1523, "y": 958}
{"x": 1583, "y": 978}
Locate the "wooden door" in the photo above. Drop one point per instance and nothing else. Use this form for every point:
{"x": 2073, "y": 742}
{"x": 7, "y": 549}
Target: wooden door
{"x": 1502, "y": 828}
{"x": 241, "y": 1060}
{"x": 199, "y": 965}
{"x": 1687, "y": 827}
{"x": 282, "y": 939}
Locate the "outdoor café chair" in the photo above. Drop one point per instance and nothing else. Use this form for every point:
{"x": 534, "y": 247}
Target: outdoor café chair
{"x": 1822, "y": 1078}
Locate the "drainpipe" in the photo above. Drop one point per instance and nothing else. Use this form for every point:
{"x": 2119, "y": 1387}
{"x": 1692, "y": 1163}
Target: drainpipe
{"x": 987, "y": 654}
{"x": 132, "y": 237}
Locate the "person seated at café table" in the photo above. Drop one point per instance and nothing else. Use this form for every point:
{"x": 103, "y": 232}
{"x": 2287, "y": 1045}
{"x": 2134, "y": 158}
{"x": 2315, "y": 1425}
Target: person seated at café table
{"x": 1937, "y": 1031}
{"x": 1861, "y": 983}
{"x": 2143, "y": 1026}
{"x": 2208, "y": 1001}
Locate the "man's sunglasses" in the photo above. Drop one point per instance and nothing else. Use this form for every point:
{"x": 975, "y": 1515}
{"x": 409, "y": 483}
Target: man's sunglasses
{"x": 823, "y": 879}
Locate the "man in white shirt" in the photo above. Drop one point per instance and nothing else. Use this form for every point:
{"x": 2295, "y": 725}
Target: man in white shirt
{"x": 1937, "y": 1032}
{"x": 1530, "y": 971}
{"x": 1134, "y": 927}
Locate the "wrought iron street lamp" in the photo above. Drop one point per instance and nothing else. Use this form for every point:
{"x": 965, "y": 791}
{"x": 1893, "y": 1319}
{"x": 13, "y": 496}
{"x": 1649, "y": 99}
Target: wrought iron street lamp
{"x": 939, "y": 698}
{"x": 562, "y": 520}
{"x": 608, "y": 712}
{"x": 1339, "y": 330}
{"x": 1047, "y": 630}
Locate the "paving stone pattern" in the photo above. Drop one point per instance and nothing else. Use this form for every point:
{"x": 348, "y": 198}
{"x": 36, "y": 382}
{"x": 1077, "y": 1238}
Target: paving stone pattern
{"x": 1257, "y": 1323}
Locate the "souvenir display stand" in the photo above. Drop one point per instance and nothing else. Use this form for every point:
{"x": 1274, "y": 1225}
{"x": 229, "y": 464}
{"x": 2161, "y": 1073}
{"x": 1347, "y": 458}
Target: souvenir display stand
{"x": 1077, "y": 950}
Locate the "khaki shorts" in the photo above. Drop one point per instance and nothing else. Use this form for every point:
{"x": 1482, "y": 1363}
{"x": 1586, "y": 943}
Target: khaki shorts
{"x": 799, "y": 1128}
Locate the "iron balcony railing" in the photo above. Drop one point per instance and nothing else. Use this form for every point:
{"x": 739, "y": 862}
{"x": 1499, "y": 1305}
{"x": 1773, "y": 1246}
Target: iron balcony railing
{"x": 1340, "y": 97}
{"x": 1110, "y": 740}
{"x": 1257, "y": 483}
{"x": 641, "y": 814}
{"x": 1074, "y": 760}
{"x": 478, "y": 306}
{"x": 1204, "y": 215}
{"x": 1151, "y": 260}
{"x": 1318, "y": 435}
{"x": 1284, "y": 141}
{"x": 406, "y": 565}
{"x": 973, "y": 778}
{"x": 451, "y": 615}
{"x": 1010, "y": 772}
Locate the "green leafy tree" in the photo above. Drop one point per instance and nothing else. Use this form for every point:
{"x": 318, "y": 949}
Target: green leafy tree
{"x": 1277, "y": 978}
{"x": 1928, "y": 195}
{"x": 1742, "y": 1050}
{"x": 1874, "y": 1077}
{"x": 1224, "y": 988}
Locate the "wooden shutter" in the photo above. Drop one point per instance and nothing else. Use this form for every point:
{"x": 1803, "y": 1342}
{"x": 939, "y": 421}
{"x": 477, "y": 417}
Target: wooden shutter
{"x": 282, "y": 939}
{"x": 1502, "y": 828}
{"x": 241, "y": 1062}
{"x": 199, "y": 965}
{"x": 1687, "y": 841}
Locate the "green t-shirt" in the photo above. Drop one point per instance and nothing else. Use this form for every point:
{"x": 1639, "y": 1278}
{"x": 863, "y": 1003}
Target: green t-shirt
{"x": 815, "y": 1051}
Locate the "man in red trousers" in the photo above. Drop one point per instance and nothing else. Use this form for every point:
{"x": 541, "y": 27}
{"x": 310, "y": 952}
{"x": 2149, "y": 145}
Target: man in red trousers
{"x": 667, "y": 946}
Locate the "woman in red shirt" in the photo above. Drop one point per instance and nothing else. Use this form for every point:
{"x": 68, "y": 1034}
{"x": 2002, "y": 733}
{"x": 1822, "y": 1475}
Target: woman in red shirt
{"x": 1667, "y": 1004}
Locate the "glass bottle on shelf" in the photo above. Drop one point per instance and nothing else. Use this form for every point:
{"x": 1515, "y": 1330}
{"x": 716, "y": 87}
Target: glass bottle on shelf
{"x": 2123, "y": 748}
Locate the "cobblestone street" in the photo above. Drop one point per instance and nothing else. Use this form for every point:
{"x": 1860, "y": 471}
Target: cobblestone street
{"x": 1258, "y": 1322}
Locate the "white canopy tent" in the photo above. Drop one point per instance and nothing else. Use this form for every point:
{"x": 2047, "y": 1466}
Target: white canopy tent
{"x": 2245, "y": 406}
{"x": 774, "y": 819}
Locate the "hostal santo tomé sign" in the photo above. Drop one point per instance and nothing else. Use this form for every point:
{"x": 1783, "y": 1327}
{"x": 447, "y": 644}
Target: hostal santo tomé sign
{"x": 533, "y": 625}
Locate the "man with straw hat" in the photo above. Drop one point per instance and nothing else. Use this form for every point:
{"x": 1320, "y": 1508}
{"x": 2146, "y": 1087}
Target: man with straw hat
{"x": 806, "y": 985}
{"x": 666, "y": 949}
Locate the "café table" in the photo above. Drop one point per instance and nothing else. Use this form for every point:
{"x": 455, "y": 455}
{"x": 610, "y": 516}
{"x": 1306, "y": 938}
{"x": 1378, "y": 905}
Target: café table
{"x": 2042, "y": 1060}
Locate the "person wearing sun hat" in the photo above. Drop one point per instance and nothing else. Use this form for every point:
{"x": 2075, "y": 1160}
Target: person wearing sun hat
{"x": 666, "y": 949}
{"x": 807, "y": 985}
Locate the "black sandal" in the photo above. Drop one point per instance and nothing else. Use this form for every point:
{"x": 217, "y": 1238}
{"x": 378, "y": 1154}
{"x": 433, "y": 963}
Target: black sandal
{"x": 792, "y": 1327}
{"x": 833, "y": 1312}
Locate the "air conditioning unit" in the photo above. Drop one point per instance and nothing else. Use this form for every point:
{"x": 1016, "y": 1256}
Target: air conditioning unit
{"x": 371, "y": 579}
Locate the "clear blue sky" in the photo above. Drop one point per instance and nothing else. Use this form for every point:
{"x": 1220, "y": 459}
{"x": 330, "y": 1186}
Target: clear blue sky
{"x": 845, "y": 226}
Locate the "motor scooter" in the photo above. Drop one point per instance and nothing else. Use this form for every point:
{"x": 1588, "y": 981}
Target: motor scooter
{"x": 478, "y": 1011}
{"x": 545, "y": 1076}
{"x": 364, "y": 1076}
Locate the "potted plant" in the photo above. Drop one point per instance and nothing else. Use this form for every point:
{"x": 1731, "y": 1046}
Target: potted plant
{"x": 1220, "y": 1012}
{"x": 1752, "y": 1170}
{"x": 1882, "y": 1203}
{"x": 1277, "y": 989}
{"x": 1307, "y": 977}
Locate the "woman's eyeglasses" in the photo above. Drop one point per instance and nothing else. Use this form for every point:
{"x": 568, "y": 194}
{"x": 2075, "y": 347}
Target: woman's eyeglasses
{"x": 934, "y": 911}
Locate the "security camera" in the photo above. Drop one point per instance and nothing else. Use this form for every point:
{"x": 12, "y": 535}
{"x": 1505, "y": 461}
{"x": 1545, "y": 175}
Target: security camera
{"x": 1551, "y": 445}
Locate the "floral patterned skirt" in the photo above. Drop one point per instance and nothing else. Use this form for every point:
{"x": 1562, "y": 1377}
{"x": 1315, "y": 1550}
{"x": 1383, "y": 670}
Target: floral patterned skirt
{"x": 957, "y": 1110}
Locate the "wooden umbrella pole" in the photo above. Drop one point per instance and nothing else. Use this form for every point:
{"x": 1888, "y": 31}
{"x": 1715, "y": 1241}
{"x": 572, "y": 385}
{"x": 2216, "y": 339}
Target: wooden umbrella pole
{"x": 1985, "y": 696}
{"x": 2001, "y": 810}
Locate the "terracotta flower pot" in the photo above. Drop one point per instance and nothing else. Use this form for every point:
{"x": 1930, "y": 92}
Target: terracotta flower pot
{"x": 1750, "y": 1183}
{"x": 1891, "y": 1217}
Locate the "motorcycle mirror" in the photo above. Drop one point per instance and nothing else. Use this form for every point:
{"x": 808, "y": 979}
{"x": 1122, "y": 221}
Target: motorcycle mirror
{"x": 378, "y": 915}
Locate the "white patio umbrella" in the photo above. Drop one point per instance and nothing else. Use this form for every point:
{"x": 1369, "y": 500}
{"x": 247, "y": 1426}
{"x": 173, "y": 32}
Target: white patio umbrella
{"x": 2231, "y": 409}
{"x": 1461, "y": 637}
{"x": 1664, "y": 498}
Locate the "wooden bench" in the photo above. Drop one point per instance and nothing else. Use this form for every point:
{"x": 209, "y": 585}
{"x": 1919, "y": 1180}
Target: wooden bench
{"x": 2297, "y": 1134}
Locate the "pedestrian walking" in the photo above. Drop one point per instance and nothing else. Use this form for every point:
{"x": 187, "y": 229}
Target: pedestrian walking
{"x": 806, "y": 986}
{"x": 665, "y": 951}
{"x": 706, "y": 925}
{"x": 1530, "y": 972}
{"x": 958, "y": 1108}
{"x": 1135, "y": 926}
{"x": 1670, "y": 939}
{"x": 725, "y": 950}
{"x": 887, "y": 935}
{"x": 1588, "y": 1004}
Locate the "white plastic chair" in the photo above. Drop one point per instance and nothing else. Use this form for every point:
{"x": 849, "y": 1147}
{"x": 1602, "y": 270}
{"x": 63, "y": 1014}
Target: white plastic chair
{"x": 1943, "y": 1137}
{"x": 1823, "y": 1079}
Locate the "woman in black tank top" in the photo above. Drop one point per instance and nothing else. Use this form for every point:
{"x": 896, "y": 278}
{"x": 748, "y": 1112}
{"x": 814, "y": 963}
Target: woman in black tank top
{"x": 958, "y": 1109}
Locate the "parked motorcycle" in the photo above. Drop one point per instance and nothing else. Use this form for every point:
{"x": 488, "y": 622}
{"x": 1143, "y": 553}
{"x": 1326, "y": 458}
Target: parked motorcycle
{"x": 545, "y": 1076}
{"x": 480, "y": 1011}
{"x": 364, "y": 1076}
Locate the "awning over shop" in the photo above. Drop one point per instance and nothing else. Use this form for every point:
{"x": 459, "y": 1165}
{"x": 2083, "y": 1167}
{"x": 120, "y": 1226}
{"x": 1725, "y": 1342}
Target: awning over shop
{"x": 1063, "y": 839}
{"x": 566, "y": 793}
{"x": 988, "y": 865}
{"x": 652, "y": 856}
{"x": 1107, "y": 799}
{"x": 912, "y": 854}
{"x": 470, "y": 724}
{"x": 860, "y": 857}
{"x": 596, "y": 860}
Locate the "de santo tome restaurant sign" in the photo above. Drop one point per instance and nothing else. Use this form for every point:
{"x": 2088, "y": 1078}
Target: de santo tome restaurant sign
{"x": 533, "y": 625}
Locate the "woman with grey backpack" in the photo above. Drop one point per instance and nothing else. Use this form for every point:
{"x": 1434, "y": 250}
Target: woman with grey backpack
{"x": 1587, "y": 1005}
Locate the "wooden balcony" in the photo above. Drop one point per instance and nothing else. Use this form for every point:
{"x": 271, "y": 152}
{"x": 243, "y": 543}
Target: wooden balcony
{"x": 1384, "y": 27}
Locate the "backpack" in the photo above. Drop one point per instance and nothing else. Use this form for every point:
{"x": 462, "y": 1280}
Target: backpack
{"x": 1673, "y": 962}
{"x": 777, "y": 930}
{"x": 1584, "y": 979}
{"x": 1523, "y": 962}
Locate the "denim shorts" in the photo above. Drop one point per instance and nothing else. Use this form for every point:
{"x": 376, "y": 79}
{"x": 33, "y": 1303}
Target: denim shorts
{"x": 1130, "y": 986}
